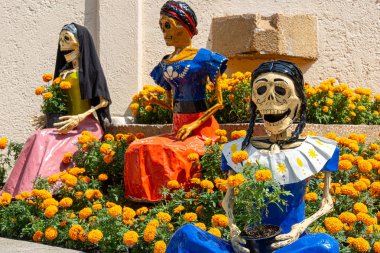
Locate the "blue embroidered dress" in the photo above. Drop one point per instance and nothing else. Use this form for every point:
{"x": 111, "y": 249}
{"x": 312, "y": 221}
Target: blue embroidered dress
{"x": 291, "y": 168}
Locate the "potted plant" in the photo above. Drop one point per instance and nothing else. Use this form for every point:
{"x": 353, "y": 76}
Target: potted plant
{"x": 251, "y": 201}
{"x": 54, "y": 98}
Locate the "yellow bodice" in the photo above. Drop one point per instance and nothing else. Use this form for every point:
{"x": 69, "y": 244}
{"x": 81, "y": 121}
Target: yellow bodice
{"x": 76, "y": 105}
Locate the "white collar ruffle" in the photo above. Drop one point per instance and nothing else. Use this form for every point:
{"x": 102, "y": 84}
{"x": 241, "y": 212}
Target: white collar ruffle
{"x": 287, "y": 166}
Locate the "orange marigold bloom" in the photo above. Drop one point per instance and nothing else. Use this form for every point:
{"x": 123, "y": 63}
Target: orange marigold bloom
{"x": 85, "y": 212}
{"x": 103, "y": 177}
{"x": 25, "y": 195}
{"x": 377, "y": 157}
{"x": 178, "y": 209}
{"x": 3, "y": 143}
{"x": 238, "y": 134}
{"x": 373, "y": 228}
{"x": 190, "y": 217}
{"x": 65, "y": 85}
{"x": 108, "y": 159}
{"x": 69, "y": 180}
{"x": 195, "y": 181}
{"x": 366, "y": 219}
{"x": 220, "y": 132}
{"x": 109, "y": 137}
{"x": 239, "y": 156}
{"x": 193, "y": 157}
{"x": 236, "y": 180}
{"x": 47, "y": 77}
{"x": 105, "y": 148}
{"x": 360, "y": 185}
{"x": 67, "y": 157}
{"x": 375, "y": 186}
{"x": 38, "y": 236}
{"x": 206, "y": 184}
{"x": 150, "y": 233}
{"x": 366, "y": 181}
{"x": 164, "y": 217}
{"x": 376, "y": 245}
{"x": 311, "y": 197}
{"x": 130, "y": 238}
{"x": 142, "y": 210}
{"x": 79, "y": 194}
{"x": 374, "y": 147}
{"x": 219, "y": 220}
{"x": 214, "y": 231}
{"x": 39, "y": 90}
{"x": 263, "y": 175}
{"x": 347, "y": 217}
{"x": 361, "y": 244}
{"x": 221, "y": 184}
{"x": 128, "y": 213}
{"x": 345, "y": 165}
{"x": 115, "y": 211}
{"x": 333, "y": 224}
{"x": 49, "y": 202}
{"x": 348, "y": 157}
{"x": 74, "y": 232}
{"x": 66, "y": 202}
{"x": 349, "y": 190}
{"x": 75, "y": 171}
{"x": 159, "y": 247}
{"x": 97, "y": 206}
{"x": 173, "y": 184}
{"x": 364, "y": 166}
{"x": 51, "y": 233}
{"x": 53, "y": 178}
{"x": 94, "y": 236}
{"x": 360, "y": 208}
{"x": 201, "y": 225}
{"x": 47, "y": 95}
{"x": 57, "y": 80}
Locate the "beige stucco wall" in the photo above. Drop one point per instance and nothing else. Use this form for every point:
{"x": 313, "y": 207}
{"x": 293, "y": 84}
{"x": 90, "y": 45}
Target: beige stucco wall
{"x": 130, "y": 43}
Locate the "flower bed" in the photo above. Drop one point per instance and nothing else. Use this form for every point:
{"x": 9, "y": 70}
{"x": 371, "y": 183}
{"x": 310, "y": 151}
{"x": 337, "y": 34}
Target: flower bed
{"x": 75, "y": 208}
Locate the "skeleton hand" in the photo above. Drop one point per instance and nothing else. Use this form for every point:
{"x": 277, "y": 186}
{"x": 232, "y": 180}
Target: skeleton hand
{"x": 237, "y": 244}
{"x": 151, "y": 98}
{"x": 292, "y": 236}
{"x": 185, "y": 131}
{"x": 69, "y": 123}
{"x": 65, "y": 73}
{"x": 38, "y": 121}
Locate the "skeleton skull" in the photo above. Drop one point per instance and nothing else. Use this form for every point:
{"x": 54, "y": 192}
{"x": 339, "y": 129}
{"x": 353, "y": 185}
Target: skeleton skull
{"x": 275, "y": 97}
{"x": 174, "y": 33}
{"x": 69, "y": 43}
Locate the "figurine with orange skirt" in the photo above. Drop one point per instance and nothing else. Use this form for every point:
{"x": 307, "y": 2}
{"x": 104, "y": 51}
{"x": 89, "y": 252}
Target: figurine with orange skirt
{"x": 151, "y": 162}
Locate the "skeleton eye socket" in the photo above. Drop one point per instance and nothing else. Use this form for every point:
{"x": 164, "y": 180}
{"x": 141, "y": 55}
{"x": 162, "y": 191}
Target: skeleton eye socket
{"x": 261, "y": 90}
{"x": 66, "y": 37}
{"x": 167, "y": 25}
{"x": 280, "y": 90}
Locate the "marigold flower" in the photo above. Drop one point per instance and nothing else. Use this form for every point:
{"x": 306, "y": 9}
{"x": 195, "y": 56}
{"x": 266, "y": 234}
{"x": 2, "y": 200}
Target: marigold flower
{"x": 75, "y": 171}
{"x": 219, "y": 220}
{"x": 220, "y": 132}
{"x": 208, "y": 142}
{"x": 69, "y": 180}
{"x": 195, "y": 181}
{"x": 364, "y": 166}
{"x": 349, "y": 190}
{"x": 159, "y": 247}
{"x": 375, "y": 186}
{"x": 193, "y": 157}
{"x": 263, "y": 175}
{"x": 39, "y": 90}
{"x": 347, "y": 217}
{"x": 333, "y": 224}
{"x": 47, "y": 95}
{"x": 78, "y": 195}
{"x": 239, "y": 156}
{"x": 47, "y": 77}
{"x": 311, "y": 197}
{"x": 344, "y": 165}
{"x": 65, "y": 85}
{"x": 85, "y": 179}
{"x": 115, "y": 211}
{"x": 173, "y": 184}
{"x": 348, "y": 157}
{"x": 142, "y": 210}
{"x": 97, "y": 206}
{"x": 94, "y": 236}
{"x": 214, "y": 231}
{"x": 150, "y": 233}
{"x": 53, "y": 178}
{"x": 105, "y": 148}
{"x": 74, "y": 232}
{"x": 361, "y": 244}
{"x": 221, "y": 184}
{"x": 325, "y": 108}
{"x": 38, "y": 236}
{"x": 85, "y": 212}
{"x": 374, "y": 147}
{"x": 200, "y": 225}
{"x": 51, "y": 233}
{"x": 134, "y": 106}
{"x": 206, "y": 184}
{"x": 178, "y": 209}
{"x": 103, "y": 177}
{"x": 373, "y": 229}
{"x": 360, "y": 185}
{"x": 366, "y": 219}
{"x": 66, "y": 202}
{"x": 49, "y": 202}
{"x": 189, "y": 217}
{"x": 376, "y": 245}
{"x": 236, "y": 180}
{"x": 130, "y": 238}
{"x": 238, "y": 134}
{"x": 67, "y": 157}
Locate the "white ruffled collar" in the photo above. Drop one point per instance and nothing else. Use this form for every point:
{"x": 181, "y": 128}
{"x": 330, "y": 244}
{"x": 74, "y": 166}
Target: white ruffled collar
{"x": 290, "y": 165}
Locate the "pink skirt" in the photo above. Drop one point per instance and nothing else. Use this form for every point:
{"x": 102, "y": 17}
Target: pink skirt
{"x": 42, "y": 155}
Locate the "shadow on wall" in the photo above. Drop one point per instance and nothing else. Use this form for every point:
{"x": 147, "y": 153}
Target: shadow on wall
{"x": 91, "y": 20}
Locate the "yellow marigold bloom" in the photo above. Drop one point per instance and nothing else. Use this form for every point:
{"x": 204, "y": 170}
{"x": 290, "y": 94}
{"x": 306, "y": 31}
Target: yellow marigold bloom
{"x": 361, "y": 108}
{"x": 347, "y": 217}
{"x": 105, "y": 148}
{"x": 94, "y": 236}
{"x": 65, "y": 85}
{"x": 214, "y": 231}
{"x": 75, "y": 171}
{"x": 329, "y": 102}
{"x": 189, "y": 217}
{"x": 349, "y": 190}
{"x": 331, "y": 135}
{"x": 173, "y": 184}
{"x": 38, "y": 236}
{"x": 154, "y": 223}
{"x": 148, "y": 108}
{"x": 201, "y": 225}
{"x": 115, "y": 211}
{"x": 150, "y": 233}
{"x": 134, "y": 106}
{"x": 39, "y": 90}
{"x": 193, "y": 157}
{"x": 195, "y": 181}
{"x": 164, "y": 217}
{"x": 361, "y": 244}
{"x": 364, "y": 166}
{"x": 50, "y": 211}
{"x": 348, "y": 157}
{"x": 3, "y": 143}
{"x": 263, "y": 175}
{"x": 354, "y": 147}
{"x": 376, "y": 245}
{"x": 366, "y": 219}
{"x": 208, "y": 142}
{"x": 47, "y": 95}
{"x": 357, "y": 159}
{"x": 109, "y": 137}
{"x": 49, "y": 202}
{"x": 178, "y": 209}
{"x": 221, "y": 184}
{"x": 219, "y": 220}
{"x": 333, "y": 224}
{"x": 85, "y": 212}
{"x": 239, "y": 156}
{"x": 51, "y": 233}
{"x": 345, "y": 165}
{"x": 316, "y": 104}
{"x": 159, "y": 247}
{"x": 236, "y": 180}
{"x": 142, "y": 210}
{"x": 220, "y": 132}
{"x": 85, "y": 179}
{"x": 311, "y": 197}
{"x": 67, "y": 157}
{"x": 366, "y": 181}
{"x": 129, "y": 213}
{"x": 238, "y": 134}
{"x": 74, "y": 232}
{"x": 325, "y": 109}
{"x": 69, "y": 180}
{"x": 66, "y": 202}
{"x": 377, "y": 157}
{"x": 53, "y": 178}
{"x": 97, "y": 206}
{"x": 375, "y": 186}
{"x": 206, "y": 184}
{"x": 130, "y": 238}
{"x": 373, "y": 229}
{"x": 374, "y": 147}
{"x": 360, "y": 186}
{"x": 78, "y": 195}
{"x": 103, "y": 177}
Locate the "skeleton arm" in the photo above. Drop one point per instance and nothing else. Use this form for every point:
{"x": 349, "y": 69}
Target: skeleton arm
{"x": 327, "y": 206}
{"x": 72, "y": 121}
{"x": 228, "y": 205}
{"x": 188, "y": 128}
{"x": 167, "y": 104}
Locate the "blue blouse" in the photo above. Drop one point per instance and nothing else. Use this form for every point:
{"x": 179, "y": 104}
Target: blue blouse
{"x": 188, "y": 78}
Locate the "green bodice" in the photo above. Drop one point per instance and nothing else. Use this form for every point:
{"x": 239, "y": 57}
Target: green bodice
{"x": 76, "y": 105}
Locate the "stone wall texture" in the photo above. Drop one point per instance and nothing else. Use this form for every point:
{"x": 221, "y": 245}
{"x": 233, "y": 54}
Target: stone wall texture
{"x": 130, "y": 44}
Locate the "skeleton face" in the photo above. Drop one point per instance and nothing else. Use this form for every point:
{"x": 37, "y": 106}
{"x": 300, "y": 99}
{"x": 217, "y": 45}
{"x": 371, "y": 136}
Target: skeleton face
{"x": 174, "y": 33}
{"x": 276, "y": 99}
{"x": 69, "y": 43}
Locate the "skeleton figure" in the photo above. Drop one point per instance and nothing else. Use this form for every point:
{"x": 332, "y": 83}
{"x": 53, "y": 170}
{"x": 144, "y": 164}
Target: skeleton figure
{"x": 277, "y": 92}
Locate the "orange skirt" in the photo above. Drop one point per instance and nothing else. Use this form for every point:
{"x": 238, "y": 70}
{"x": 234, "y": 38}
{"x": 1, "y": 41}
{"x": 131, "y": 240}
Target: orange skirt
{"x": 151, "y": 162}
